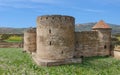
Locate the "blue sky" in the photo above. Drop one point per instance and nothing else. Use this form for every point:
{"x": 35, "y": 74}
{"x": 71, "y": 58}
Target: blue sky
{"x": 23, "y": 13}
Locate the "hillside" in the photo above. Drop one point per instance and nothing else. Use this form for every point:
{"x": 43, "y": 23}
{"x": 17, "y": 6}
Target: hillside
{"x": 8, "y": 30}
{"x": 78, "y": 27}
{"x": 88, "y": 27}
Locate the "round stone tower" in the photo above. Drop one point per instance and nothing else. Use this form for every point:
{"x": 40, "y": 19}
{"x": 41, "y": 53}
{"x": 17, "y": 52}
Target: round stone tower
{"x": 55, "y": 38}
{"x": 104, "y": 33}
{"x": 30, "y": 40}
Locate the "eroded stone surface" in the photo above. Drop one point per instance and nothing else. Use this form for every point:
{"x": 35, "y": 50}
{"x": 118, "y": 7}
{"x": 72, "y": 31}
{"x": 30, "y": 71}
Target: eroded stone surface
{"x": 44, "y": 62}
{"x": 30, "y": 40}
{"x": 55, "y": 37}
{"x": 117, "y": 54}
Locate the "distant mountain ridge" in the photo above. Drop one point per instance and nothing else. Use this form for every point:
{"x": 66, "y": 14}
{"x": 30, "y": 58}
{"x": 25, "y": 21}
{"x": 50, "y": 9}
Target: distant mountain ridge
{"x": 88, "y": 27}
{"x": 8, "y": 30}
{"x": 78, "y": 28}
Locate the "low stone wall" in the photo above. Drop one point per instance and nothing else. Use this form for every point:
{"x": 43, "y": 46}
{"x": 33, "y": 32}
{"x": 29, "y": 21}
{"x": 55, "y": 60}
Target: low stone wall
{"x": 117, "y": 54}
{"x": 10, "y": 45}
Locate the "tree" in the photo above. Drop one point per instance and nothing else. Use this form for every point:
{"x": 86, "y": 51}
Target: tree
{"x": 5, "y": 36}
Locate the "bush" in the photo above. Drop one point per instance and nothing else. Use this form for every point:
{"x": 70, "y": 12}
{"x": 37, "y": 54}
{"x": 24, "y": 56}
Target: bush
{"x": 14, "y": 39}
{"x": 4, "y": 36}
{"x": 118, "y": 43}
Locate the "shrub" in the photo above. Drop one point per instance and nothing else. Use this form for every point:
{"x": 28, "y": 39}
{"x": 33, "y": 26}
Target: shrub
{"x": 14, "y": 38}
{"x": 4, "y": 36}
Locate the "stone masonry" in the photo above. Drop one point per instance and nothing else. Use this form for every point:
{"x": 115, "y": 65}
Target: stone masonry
{"x": 55, "y": 42}
{"x": 30, "y": 40}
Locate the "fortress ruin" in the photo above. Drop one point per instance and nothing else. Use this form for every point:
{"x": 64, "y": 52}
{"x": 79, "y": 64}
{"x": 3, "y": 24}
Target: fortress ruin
{"x": 55, "y": 42}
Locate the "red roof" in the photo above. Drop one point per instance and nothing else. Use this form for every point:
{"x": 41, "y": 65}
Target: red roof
{"x": 101, "y": 24}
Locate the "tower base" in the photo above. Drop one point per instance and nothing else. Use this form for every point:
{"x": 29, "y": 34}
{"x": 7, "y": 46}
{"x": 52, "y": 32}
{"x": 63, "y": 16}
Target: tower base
{"x": 42, "y": 62}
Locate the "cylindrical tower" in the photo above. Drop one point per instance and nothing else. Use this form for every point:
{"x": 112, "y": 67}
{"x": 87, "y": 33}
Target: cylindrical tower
{"x": 55, "y": 37}
{"x": 30, "y": 40}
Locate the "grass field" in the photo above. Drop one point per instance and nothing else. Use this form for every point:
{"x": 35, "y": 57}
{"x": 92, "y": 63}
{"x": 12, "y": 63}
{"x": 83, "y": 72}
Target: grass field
{"x": 118, "y": 38}
{"x": 14, "y": 39}
{"x": 14, "y": 62}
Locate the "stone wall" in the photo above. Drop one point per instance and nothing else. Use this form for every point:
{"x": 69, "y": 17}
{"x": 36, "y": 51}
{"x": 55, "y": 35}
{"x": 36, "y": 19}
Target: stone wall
{"x": 30, "y": 40}
{"x": 10, "y": 45}
{"x": 116, "y": 52}
{"x": 86, "y": 43}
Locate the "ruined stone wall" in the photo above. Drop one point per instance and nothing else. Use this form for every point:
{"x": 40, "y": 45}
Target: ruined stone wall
{"x": 30, "y": 40}
{"x": 87, "y": 43}
{"x": 55, "y": 37}
{"x": 10, "y": 45}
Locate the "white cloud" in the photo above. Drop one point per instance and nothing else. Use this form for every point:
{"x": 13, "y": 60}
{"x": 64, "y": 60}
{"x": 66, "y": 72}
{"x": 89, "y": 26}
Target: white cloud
{"x": 93, "y": 10}
{"x": 106, "y": 1}
{"x": 10, "y": 1}
{"x": 27, "y": 3}
{"x": 46, "y": 1}
{"x": 15, "y": 4}
{"x": 35, "y": 1}
{"x": 87, "y": 10}
{"x": 37, "y": 4}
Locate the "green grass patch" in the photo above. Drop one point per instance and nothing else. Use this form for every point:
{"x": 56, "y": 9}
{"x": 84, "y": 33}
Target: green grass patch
{"x": 14, "y": 39}
{"x": 118, "y": 38}
{"x": 14, "y": 62}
